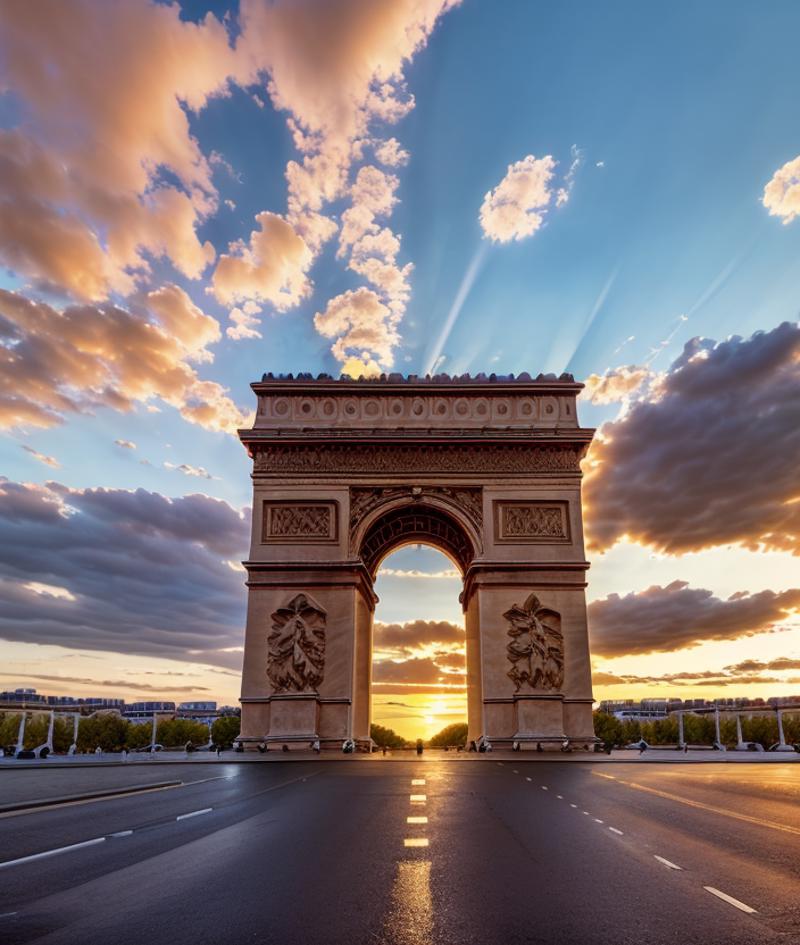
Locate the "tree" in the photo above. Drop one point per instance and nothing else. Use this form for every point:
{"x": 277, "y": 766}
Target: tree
{"x": 451, "y": 736}
{"x": 225, "y": 729}
{"x": 174, "y": 733}
{"x": 608, "y": 728}
{"x": 386, "y": 737}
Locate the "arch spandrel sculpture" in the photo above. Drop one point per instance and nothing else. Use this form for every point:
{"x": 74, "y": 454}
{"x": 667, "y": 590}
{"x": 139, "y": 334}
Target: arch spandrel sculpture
{"x": 346, "y": 471}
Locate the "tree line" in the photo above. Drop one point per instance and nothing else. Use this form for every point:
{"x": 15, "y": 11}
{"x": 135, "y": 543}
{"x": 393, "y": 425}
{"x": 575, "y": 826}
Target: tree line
{"x": 697, "y": 730}
{"x": 110, "y": 732}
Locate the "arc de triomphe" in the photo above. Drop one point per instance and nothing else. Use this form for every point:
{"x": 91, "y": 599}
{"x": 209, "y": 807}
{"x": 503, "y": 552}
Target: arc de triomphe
{"x": 485, "y": 469}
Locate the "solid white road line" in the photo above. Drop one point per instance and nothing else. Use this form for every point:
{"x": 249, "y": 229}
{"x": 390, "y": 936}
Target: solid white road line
{"x": 614, "y": 830}
{"x": 41, "y": 856}
{"x": 417, "y": 781}
{"x": 416, "y": 820}
{"x": 195, "y": 813}
{"x": 121, "y": 833}
{"x": 668, "y": 863}
{"x": 729, "y": 899}
{"x": 415, "y": 842}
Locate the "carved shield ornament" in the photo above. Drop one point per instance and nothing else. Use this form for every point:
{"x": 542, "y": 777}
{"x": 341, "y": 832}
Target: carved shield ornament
{"x": 297, "y": 646}
{"x": 536, "y": 648}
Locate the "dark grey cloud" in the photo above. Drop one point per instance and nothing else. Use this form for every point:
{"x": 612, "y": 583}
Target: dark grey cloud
{"x": 149, "y": 575}
{"x": 711, "y": 458}
{"x": 676, "y": 616}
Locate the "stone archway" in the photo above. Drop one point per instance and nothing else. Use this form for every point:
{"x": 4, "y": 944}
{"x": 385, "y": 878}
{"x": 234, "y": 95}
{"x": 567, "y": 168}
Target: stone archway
{"x": 485, "y": 469}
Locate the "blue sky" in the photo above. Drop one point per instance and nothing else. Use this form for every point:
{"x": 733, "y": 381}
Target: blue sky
{"x": 663, "y": 124}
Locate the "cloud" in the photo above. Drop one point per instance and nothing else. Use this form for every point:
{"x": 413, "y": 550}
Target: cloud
{"x": 86, "y": 357}
{"x": 417, "y": 633}
{"x": 365, "y": 327}
{"x": 718, "y": 680}
{"x": 272, "y": 267}
{"x": 782, "y": 193}
{"x": 244, "y": 322}
{"x": 41, "y": 457}
{"x": 188, "y": 470}
{"x": 711, "y": 458}
{"x": 85, "y": 203}
{"x": 125, "y": 444}
{"x": 391, "y": 153}
{"x": 146, "y": 574}
{"x": 781, "y": 664}
{"x": 516, "y": 207}
{"x": 116, "y": 684}
{"x": 616, "y": 384}
{"x": 446, "y": 575}
{"x": 335, "y": 69}
{"x": 664, "y": 619}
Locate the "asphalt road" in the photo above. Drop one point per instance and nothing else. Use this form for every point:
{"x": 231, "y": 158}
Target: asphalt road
{"x": 506, "y": 853}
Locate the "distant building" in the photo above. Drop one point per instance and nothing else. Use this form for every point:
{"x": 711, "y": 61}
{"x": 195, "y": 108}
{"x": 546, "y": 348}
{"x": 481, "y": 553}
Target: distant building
{"x": 648, "y": 710}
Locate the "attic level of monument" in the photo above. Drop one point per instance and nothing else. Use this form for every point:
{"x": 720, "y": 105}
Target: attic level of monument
{"x": 485, "y": 468}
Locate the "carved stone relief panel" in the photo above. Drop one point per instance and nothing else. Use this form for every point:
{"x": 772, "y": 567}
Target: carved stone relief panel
{"x": 299, "y": 521}
{"x": 434, "y": 458}
{"x": 296, "y": 660}
{"x": 525, "y": 522}
{"x": 536, "y": 648}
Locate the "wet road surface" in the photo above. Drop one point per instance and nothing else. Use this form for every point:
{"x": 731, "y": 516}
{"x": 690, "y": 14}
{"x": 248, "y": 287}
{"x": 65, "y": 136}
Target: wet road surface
{"x": 409, "y": 853}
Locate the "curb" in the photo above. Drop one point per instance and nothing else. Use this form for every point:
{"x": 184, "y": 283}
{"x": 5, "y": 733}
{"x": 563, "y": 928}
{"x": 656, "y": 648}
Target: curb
{"x": 87, "y": 796}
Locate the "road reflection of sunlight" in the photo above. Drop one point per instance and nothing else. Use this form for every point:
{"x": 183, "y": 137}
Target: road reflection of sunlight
{"x": 410, "y": 920}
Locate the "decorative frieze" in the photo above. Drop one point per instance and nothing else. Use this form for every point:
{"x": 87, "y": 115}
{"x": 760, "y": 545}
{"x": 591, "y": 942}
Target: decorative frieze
{"x": 536, "y": 649}
{"x": 299, "y": 521}
{"x": 453, "y": 409}
{"x": 519, "y": 459}
{"x": 523, "y": 522}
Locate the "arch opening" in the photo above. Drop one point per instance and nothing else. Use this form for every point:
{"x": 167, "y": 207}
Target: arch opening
{"x": 417, "y": 680}
{"x": 412, "y": 524}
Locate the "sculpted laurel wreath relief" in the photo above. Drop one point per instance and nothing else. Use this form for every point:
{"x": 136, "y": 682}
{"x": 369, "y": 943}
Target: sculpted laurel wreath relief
{"x": 297, "y": 646}
{"x": 536, "y": 650}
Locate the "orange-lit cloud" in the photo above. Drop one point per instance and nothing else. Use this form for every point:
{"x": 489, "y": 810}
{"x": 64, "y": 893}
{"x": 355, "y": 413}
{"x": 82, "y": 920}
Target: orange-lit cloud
{"x": 103, "y": 356}
{"x": 782, "y": 193}
{"x": 616, "y": 384}
{"x": 712, "y": 458}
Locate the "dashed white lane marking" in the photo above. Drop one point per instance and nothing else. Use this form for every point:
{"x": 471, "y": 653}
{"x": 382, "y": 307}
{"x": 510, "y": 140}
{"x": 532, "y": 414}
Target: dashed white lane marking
{"x": 729, "y": 899}
{"x": 122, "y": 833}
{"x": 614, "y": 830}
{"x": 545, "y": 787}
{"x": 41, "y": 856}
{"x": 515, "y": 771}
{"x": 5, "y": 915}
{"x": 415, "y": 842}
{"x": 528, "y": 779}
{"x": 560, "y": 797}
{"x": 418, "y": 798}
{"x": 586, "y": 812}
{"x": 597, "y": 820}
{"x": 574, "y": 805}
{"x": 416, "y": 820}
{"x": 668, "y": 863}
{"x": 415, "y": 781}
{"x": 195, "y": 813}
